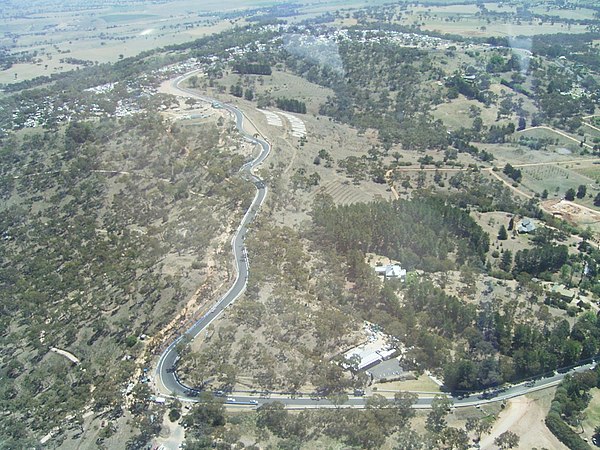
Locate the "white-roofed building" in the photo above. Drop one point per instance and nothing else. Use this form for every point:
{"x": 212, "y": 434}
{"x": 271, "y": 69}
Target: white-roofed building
{"x": 376, "y": 349}
{"x": 526, "y": 226}
{"x": 391, "y": 271}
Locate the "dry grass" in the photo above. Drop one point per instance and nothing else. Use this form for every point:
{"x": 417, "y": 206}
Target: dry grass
{"x": 421, "y": 384}
{"x": 455, "y": 113}
{"x": 553, "y": 178}
{"x": 592, "y": 414}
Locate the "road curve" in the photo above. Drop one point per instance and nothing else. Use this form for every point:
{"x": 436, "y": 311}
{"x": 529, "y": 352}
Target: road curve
{"x": 167, "y": 381}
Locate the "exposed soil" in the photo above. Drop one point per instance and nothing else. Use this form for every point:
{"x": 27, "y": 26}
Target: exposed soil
{"x": 525, "y": 417}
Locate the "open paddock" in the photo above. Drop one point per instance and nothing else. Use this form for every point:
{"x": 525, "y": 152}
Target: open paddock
{"x": 560, "y": 141}
{"x": 569, "y": 14}
{"x": 555, "y": 179}
{"x": 592, "y": 172}
{"x": 282, "y": 84}
{"x": 478, "y": 27}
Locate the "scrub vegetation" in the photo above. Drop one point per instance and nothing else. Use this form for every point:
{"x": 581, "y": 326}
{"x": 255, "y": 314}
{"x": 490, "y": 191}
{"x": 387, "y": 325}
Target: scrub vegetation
{"x": 414, "y": 134}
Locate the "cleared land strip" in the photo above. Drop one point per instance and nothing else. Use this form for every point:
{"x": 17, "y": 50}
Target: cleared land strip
{"x": 272, "y": 118}
{"x": 298, "y": 127}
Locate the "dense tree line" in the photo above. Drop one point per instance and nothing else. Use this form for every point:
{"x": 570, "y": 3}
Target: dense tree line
{"x": 291, "y": 105}
{"x": 571, "y": 398}
{"x": 420, "y": 233}
{"x": 499, "y": 350}
{"x": 545, "y": 258}
{"x": 248, "y": 68}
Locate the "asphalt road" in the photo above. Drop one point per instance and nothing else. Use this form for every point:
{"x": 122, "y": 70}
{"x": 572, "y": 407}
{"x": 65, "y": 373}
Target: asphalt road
{"x": 167, "y": 380}
{"x": 166, "y": 377}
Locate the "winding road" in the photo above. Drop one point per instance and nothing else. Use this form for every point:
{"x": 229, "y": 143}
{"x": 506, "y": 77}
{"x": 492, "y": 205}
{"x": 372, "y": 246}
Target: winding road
{"x": 166, "y": 377}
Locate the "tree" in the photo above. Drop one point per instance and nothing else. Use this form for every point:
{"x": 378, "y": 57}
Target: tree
{"x": 506, "y": 261}
{"x": 272, "y": 416}
{"x": 502, "y": 234}
{"x": 338, "y": 399}
{"x": 236, "y": 90}
{"x": 597, "y": 199}
{"x": 522, "y": 123}
{"x": 203, "y": 421}
{"x": 512, "y": 172}
{"x": 403, "y": 404}
{"x": 477, "y": 124}
{"x": 436, "y": 419}
{"x": 581, "y": 191}
{"x": 479, "y": 426}
{"x": 570, "y": 194}
{"x": 455, "y": 439}
{"x": 174, "y": 415}
{"x": 408, "y": 439}
{"x": 508, "y": 439}
{"x": 544, "y": 194}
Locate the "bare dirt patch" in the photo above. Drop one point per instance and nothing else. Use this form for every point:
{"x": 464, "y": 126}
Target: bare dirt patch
{"x": 525, "y": 417}
{"x": 574, "y": 213}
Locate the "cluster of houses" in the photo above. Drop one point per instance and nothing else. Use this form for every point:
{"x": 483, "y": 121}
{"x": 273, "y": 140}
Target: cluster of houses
{"x": 53, "y": 110}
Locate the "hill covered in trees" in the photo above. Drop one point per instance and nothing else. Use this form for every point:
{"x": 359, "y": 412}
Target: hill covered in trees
{"x": 105, "y": 229}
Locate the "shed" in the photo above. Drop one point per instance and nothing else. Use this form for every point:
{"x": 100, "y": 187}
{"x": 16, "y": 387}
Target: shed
{"x": 526, "y": 226}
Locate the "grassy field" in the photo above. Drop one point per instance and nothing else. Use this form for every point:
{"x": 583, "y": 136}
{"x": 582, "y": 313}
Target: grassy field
{"x": 467, "y": 20}
{"x": 574, "y": 14}
{"x": 422, "y": 384}
{"x": 480, "y": 28}
{"x": 553, "y": 178}
{"x": 283, "y": 84}
{"x": 127, "y": 18}
{"x": 455, "y": 114}
{"x": 591, "y": 172}
{"x": 127, "y": 40}
{"x": 592, "y": 414}
{"x": 106, "y": 33}
{"x": 560, "y": 141}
